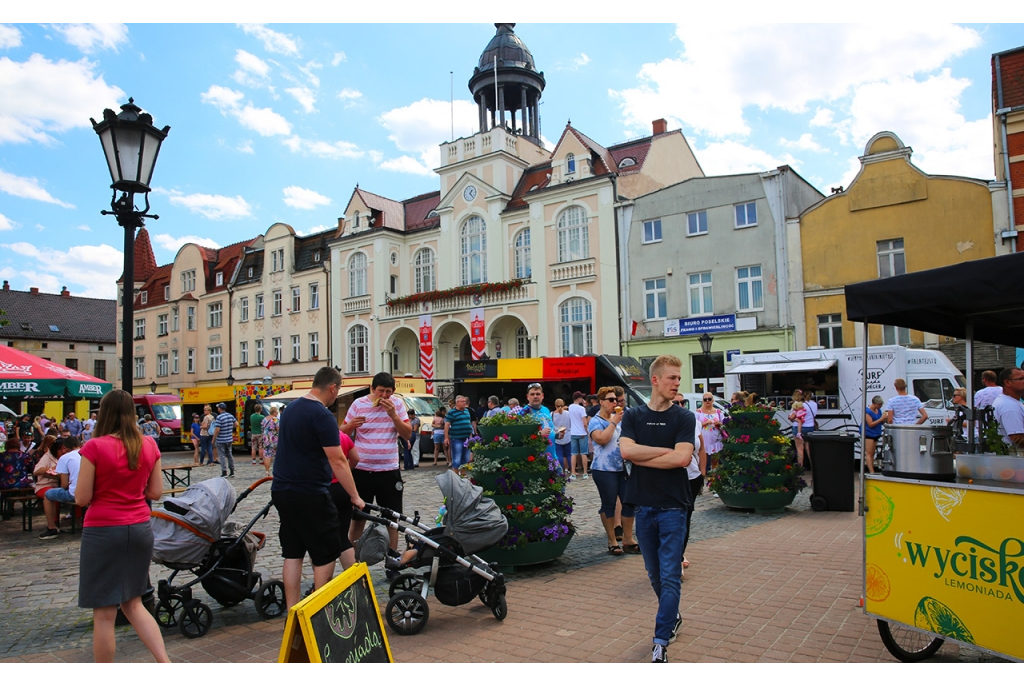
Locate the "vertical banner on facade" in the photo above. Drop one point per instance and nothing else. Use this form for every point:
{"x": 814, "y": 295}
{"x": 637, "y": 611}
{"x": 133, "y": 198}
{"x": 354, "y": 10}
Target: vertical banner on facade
{"x": 476, "y": 332}
{"x": 427, "y": 350}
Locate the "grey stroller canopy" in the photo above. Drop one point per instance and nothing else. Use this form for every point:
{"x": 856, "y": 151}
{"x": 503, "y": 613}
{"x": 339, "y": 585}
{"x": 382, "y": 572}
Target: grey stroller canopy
{"x": 186, "y": 527}
{"x": 474, "y": 521}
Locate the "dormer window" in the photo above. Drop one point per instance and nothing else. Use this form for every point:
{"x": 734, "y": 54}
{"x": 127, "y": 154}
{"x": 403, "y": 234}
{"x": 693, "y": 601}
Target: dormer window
{"x": 250, "y": 272}
{"x": 627, "y": 161}
{"x": 355, "y": 220}
{"x": 432, "y": 213}
{"x": 316, "y": 256}
{"x": 167, "y": 292}
{"x": 143, "y": 297}
{"x": 570, "y": 163}
{"x": 220, "y": 278}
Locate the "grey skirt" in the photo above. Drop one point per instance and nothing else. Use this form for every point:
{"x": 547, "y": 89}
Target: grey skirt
{"x": 114, "y": 564}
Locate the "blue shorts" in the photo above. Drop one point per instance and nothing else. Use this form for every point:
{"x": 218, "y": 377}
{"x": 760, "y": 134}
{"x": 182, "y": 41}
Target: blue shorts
{"x": 579, "y": 444}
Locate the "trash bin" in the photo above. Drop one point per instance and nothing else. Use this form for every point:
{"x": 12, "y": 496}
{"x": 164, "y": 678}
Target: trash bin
{"x": 833, "y": 470}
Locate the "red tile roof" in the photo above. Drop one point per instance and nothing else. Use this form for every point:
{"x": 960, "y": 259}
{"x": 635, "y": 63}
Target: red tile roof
{"x": 391, "y": 214}
{"x": 417, "y": 210}
{"x": 145, "y": 260}
{"x": 636, "y": 149}
{"x": 224, "y": 261}
{"x": 603, "y": 162}
{"x": 534, "y": 178}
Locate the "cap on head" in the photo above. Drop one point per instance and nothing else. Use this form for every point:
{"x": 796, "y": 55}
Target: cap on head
{"x": 221, "y": 405}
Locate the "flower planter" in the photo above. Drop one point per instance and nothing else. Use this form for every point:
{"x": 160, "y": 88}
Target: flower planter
{"x": 758, "y": 432}
{"x": 528, "y": 554}
{"x": 516, "y": 454}
{"x": 748, "y": 447}
{"x": 533, "y": 500}
{"x": 531, "y": 524}
{"x": 516, "y": 433}
{"x": 773, "y": 480}
{"x": 761, "y": 502}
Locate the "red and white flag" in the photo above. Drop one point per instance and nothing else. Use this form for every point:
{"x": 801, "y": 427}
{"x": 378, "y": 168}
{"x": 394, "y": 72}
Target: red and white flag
{"x": 476, "y": 332}
{"x": 268, "y": 363}
{"x": 427, "y": 350}
{"x": 632, "y": 327}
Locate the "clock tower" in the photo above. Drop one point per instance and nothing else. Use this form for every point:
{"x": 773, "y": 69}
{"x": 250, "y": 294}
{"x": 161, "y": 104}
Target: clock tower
{"x": 507, "y": 86}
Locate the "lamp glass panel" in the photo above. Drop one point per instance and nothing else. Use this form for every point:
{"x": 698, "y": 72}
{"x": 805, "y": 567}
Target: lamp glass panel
{"x": 129, "y": 142}
{"x": 107, "y": 140}
{"x": 150, "y": 148}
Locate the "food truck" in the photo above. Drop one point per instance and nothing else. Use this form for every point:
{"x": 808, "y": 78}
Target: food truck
{"x": 239, "y": 400}
{"x": 944, "y": 548}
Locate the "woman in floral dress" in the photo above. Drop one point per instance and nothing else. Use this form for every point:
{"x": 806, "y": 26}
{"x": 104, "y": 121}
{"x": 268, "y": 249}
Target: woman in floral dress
{"x": 269, "y": 447}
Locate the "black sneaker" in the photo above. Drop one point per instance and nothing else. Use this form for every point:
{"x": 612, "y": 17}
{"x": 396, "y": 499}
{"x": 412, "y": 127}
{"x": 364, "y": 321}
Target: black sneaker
{"x": 675, "y": 628}
{"x": 659, "y": 655}
{"x": 49, "y": 534}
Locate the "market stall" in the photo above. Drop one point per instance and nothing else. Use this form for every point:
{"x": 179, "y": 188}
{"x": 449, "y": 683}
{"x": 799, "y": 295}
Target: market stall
{"x": 24, "y": 376}
{"x": 944, "y": 555}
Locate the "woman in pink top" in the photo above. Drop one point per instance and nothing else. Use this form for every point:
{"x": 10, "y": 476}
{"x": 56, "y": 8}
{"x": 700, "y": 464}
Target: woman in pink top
{"x": 120, "y": 470}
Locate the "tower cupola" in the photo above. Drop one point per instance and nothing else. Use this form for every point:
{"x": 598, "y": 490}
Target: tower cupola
{"x": 507, "y": 86}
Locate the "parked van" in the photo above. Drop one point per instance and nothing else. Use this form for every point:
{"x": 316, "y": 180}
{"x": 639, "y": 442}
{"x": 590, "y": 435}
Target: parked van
{"x": 835, "y": 378}
{"x": 166, "y": 411}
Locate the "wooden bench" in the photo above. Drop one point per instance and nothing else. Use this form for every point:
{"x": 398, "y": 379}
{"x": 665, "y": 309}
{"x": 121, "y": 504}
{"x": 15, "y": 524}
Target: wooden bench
{"x": 172, "y": 491}
{"x": 28, "y": 506}
{"x": 175, "y": 481}
{"x": 9, "y": 497}
{"x": 77, "y": 512}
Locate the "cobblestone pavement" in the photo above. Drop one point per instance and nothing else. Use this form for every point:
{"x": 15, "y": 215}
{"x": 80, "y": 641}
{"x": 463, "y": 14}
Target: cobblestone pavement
{"x": 761, "y": 567}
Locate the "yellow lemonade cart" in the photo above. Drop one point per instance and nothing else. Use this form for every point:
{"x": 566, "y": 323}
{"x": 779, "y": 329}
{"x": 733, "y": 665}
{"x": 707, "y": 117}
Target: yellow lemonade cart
{"x": 944, "y": 559}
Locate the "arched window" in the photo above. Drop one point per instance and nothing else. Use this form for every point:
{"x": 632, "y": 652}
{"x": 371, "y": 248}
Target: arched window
{"x": 355, "y": 220}
{"x": 573, "y": 241}
{"x": 522, "y": 343}
{"x": 570, "y": 163}
{"x": 576, "y": 317}
{"x": 474, "y": 251}
{"x": 627, "y": 162}
{"x": 423, "y": 268}
{"x": 358, "y": 349}
{"x": 357, "y": 274}
{"x": 522, "y": 242}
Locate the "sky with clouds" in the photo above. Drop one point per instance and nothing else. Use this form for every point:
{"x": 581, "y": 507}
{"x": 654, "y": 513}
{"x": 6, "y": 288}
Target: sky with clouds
{"x": 279, "y": 122}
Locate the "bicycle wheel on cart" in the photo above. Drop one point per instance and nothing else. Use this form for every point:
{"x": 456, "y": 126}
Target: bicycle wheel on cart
{"x": 907, "y": 644}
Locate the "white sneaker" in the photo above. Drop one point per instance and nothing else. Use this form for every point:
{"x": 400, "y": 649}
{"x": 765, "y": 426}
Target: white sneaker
{"x": 659, "y": 655}
{"x": 571, "y": 477}
{"x": 586, "y": 476}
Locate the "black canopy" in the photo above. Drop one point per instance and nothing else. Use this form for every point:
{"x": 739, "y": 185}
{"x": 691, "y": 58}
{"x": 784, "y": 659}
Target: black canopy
{"x": 986, "y": 292}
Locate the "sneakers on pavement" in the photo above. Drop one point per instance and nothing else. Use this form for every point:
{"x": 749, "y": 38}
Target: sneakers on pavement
{"x": 675, "y": 628}
{"x": 572, "y": 477}
{"x": 49, "y": 534}
{"x": 659, "y": 655}
{"x": 586, "y": 476}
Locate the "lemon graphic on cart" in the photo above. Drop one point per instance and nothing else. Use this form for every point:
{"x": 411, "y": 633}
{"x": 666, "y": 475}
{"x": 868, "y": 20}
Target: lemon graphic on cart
{"x": 947, "y": 499}
{"x": 876, "y": 583}
{"x": 934, "y": 616}
{"x": 879, "y": 513}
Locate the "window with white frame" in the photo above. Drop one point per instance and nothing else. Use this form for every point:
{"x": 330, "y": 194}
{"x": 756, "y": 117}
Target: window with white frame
{"x": 746, "y": 214}
{"x": 892, "y": 261}
{"x": 701, "y": 301}
{"x": 167, "y": 292}
{"x": 243, "y": 353}
{"x": 894, "y": 335}
{"x": 140, "y": 329}
{"x": 296, "y": 348}
{"x": 188, "y": 281}
{"x": 214, "y": 358}
{"x": 175, "y": 369}
{"x": 522, "y": 254}
{"x": 652, "y": 231}
{"x": 522, "y": 343}
{"x": 275, "y": 349}
{"x": 190, "y": 360}
{"x": 140, "y": 367}
{"x": 214, "y": 314}
{"x": 143, "y": 297}
{"x": 355, "y": 220}
{"x": 259, "y": 305}
{"x": 161, "y": 324}
{"x": 749, "y": 290}
{"x": 423, "y": 270}
{"x": 190, "y": 318}
{"x": 314, "y": 346}
{"x": 830, "y": 331}
{"x": 697, "y": 223}
{"x": 473, "y": 248}
{"x": 358, "y": 349}
{"x": 162, "y": 365}
{"x": 357, "y": 275}
{"x": 314, "y": 296}
{"x": 260, "y": 356}
{"x": 570, "y": 163}
{"x": 296, "y": 299}
{"x": 573, "y": 239}
{"x": 576, "y": 317}
{"x": 243, "y": 309}
{"x": 394, "y": 284}
{"x": 654, "y": 298}
{"x": 276, "y": 301}
{"x": 220, "y": 278}
{"x": 174, "y": 319}
{"x": 277, "y": 260}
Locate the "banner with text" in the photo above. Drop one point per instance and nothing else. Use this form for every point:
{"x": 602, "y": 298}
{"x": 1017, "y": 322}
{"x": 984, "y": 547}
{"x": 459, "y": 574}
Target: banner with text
{"x": 476, "y": 332}
{"x": 697, "y": 325}
{"x": 427, "y": 350}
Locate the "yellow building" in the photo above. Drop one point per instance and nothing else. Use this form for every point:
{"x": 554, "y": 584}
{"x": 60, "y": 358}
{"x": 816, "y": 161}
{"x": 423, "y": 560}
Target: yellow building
{"x": 894, "y": 218}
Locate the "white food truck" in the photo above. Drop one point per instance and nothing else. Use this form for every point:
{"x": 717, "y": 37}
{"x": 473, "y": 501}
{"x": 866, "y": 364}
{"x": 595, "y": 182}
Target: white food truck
{"x": 835, "y": 378}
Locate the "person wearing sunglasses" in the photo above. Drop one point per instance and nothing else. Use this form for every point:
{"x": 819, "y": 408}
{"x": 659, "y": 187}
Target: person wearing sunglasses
{"x": 1009, "y": 412}
{"x": 609, "y": 472}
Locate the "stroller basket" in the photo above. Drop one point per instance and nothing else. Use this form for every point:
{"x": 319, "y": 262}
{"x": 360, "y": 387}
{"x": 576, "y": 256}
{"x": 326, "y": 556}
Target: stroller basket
{"x": 456, "y": 585}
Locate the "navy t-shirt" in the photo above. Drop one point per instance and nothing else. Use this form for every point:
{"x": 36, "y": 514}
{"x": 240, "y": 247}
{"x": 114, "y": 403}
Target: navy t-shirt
{"x": 650, "y": 487}
{"x": 592, "y": 411}
{"x": 305, "y": 428}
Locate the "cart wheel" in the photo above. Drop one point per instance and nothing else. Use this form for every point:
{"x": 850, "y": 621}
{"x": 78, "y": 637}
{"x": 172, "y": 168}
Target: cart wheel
{"x": 907, "y": 644}
{"x": 405, "y": 583}
{"x": 407, "y": 613}
{"x": 818, "y": 503}
{"x": 270, "y": 599}
{"x": 167, "y": 611}
{"x": 485, "y": 598}
{"x": 195, "y": 620}
{"x": 500, "y": 609}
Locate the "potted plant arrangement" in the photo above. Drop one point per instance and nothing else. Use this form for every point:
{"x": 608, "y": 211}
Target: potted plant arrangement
{"x": 511, "y": 464}
{"x": 756, "y": 469}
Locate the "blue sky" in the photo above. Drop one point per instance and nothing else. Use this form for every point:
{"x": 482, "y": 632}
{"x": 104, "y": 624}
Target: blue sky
{"x": 279, "y": 122}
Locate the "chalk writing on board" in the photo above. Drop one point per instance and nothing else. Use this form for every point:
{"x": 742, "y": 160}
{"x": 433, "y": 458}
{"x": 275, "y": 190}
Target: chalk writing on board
{"x": 341, "y": 615}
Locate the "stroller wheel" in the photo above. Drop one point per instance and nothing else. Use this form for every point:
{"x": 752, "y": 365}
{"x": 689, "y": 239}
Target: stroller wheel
{"x": 167, "y": 611}
{"x": 500, "y": 609}
{"x": 195, "y": 620}
{"x": 270, "y": 599}
{"x": 407, "y": 613}
{"x": 405, "y": 583}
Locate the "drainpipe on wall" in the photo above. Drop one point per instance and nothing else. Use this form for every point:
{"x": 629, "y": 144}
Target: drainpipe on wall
{"x": 1001, "y": 111}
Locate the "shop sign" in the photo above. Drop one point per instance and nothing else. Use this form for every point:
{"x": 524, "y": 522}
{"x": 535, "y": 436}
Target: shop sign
{"x": 568, "y": 367}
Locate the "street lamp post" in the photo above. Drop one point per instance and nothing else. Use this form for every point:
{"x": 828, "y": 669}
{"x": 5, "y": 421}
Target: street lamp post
{"x": 705, "y": 346}
{"x": 130, "y": 144}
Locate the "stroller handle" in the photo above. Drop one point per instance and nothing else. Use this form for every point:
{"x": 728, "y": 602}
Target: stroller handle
{"x": 248, "y": 491}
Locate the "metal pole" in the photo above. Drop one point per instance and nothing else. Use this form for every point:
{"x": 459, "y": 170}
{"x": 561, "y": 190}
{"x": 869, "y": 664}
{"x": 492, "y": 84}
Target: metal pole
{"x": 863, "y": 412}
{"x": 969, "y": 353}
{"x": 128, "y": 309}
{"x": 707, "y": 372}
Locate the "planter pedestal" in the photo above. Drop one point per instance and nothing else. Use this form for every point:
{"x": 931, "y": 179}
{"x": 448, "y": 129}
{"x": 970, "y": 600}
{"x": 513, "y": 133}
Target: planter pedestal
{"x": 508, "y": 560}
{"x": 760, "y": 502}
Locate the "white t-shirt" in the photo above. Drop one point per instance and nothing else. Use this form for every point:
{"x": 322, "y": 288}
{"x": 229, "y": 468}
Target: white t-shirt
{"x": 1010, "y": 415}
{"x": 811, "y": 408}
{"x": 904, "y": 409}
{"x": 986, "y": 396}
{"x": 69, "y": 464}
{"x": 577, "y": 415}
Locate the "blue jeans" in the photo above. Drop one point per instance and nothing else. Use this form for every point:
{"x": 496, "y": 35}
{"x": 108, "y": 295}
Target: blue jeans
{"x": 206, "y": 447}
{"x": 408, "y": 452}
{"x": 660, "y": 534}
{"x": 460, "y": 454}
{"x": 59, "y": 495}
{"x": 564, "y": 455}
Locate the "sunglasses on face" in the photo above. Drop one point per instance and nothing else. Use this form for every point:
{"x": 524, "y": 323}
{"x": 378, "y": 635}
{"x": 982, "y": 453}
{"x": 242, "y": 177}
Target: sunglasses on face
{"x": 709, "y": 399}
{"x": 609, "y": 399}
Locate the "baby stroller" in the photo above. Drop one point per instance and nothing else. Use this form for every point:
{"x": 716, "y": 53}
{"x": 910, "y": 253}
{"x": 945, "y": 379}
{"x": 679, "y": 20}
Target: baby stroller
{"x": 446, "y": 556}
{"x": 193, "y": 534}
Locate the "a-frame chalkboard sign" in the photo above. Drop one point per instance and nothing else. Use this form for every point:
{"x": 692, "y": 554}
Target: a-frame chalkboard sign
{"x": 339, "y": 623}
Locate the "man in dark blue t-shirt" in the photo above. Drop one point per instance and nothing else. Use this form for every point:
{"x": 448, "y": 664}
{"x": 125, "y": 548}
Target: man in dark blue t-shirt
{"x": 308, "y": 452}
{"x": 658, "y": 438}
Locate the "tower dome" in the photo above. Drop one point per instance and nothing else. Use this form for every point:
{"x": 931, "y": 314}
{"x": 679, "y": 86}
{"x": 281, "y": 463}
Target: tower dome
{"x": 507, "y": 86}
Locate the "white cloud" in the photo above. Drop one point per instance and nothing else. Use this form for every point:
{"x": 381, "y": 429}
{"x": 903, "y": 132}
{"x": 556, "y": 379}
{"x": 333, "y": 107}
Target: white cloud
{"x": 304, "y": 96}
{"x": 252, "y": 71}
{"x": 313, "y": 229}
{"x": 407, "y": 165}
{"x": 222, "y": 98}
{"x": 350, "y": 96}
{"x": 214, "y": 207}
{"x": 262, "y": 120}
{"x": 804, "y": 142}
{"x": 89, "y": 37}
{"x": 38, "y": 97}
{"x": 822, "y": 117}
{"x": 83, "y": 227}
{"x": 246, "y": 147}
{"x": 418, "y": 128}
{"x": 172, "y": 244}
{"x": 303, "y": 198}
{"x": 87, "y": 270}
{"x": 730, "y": 157}
{"x": 10, "y": 37}
{"x": 28, "y": 188}
{"x": 308, "y": 71}
{"x": 339, "y": 57}
{"x": 341, "y": 149}
{"x": 273, "y": 41}
{"x": 6, "y": 224}
{"x": 582, "y": 60}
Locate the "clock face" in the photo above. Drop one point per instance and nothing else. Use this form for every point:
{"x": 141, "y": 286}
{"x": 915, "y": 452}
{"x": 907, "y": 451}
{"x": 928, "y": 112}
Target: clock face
{"x": 469, "y": 193}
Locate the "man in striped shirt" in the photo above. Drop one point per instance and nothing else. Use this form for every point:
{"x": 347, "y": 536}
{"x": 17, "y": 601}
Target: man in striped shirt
{"x": 223, "y": 436}
{"x": 375, "y": 423}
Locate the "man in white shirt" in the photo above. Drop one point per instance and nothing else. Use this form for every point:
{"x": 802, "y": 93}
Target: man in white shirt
{"x": 1008, "y": 410}
{"x": 904, "y": 409}
{"x": 988, "y": 394}
{"x": 578, "y": 420}
{"x": 67, "y": 470}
